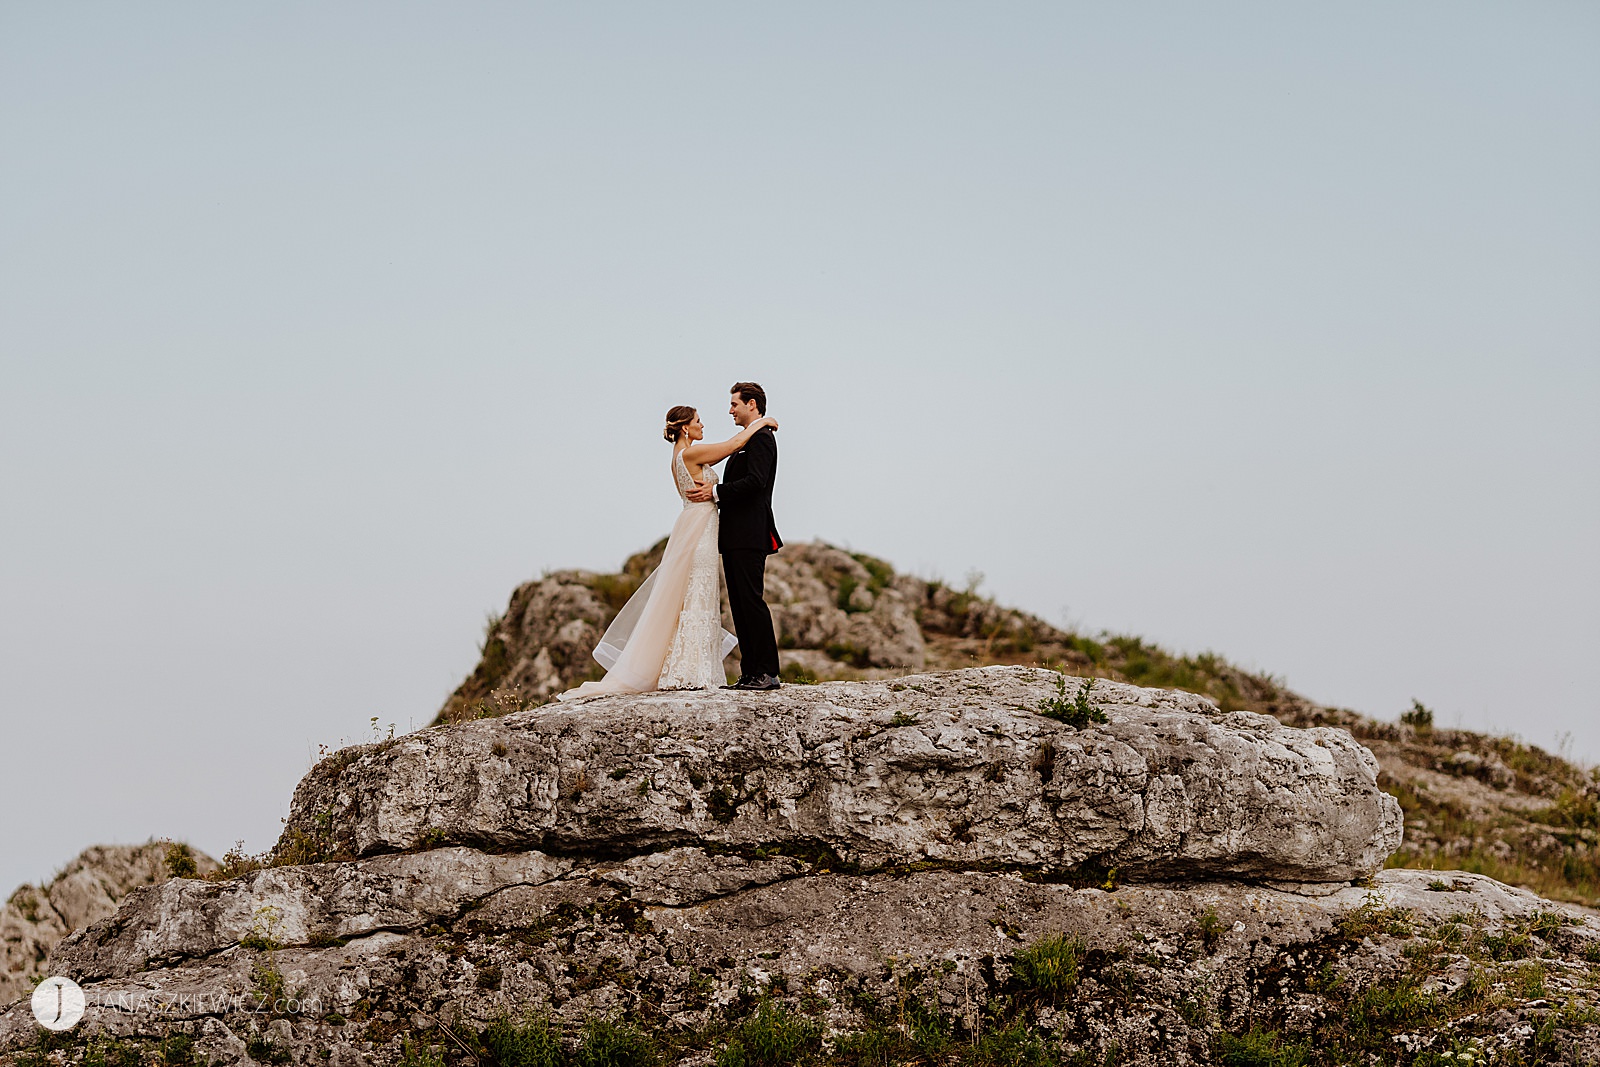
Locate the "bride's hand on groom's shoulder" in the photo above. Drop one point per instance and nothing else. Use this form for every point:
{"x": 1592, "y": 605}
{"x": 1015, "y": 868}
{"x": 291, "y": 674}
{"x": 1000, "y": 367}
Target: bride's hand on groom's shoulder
{"x": 770, "y": 421}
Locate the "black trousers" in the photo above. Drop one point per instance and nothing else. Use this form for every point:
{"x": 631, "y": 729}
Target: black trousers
{"x": 746, "y": 572}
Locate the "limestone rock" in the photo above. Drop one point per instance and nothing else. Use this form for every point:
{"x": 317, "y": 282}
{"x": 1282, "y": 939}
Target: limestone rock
{"x": 848, "y": 607}
{"x": 843, "y": 615}
{"x": 956, "y": 768}
{"x": 36, "y": 917}
{"x": 320, "y": 904}
{"x": 314, "y": 903}
{"x": 541, "y": 645}
{"x": 884, "y": 852}
{"x": 857, "y": 850}
{"x": 682, "y": 876}
{"x": 1161, "y": 968}
{"x": 851, "y": 924}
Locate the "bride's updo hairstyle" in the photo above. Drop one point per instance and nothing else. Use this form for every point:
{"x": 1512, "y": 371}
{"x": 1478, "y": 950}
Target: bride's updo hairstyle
{"x": 677, "y": 419}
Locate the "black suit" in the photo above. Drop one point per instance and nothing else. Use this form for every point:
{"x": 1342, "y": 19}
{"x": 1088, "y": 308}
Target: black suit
{"x": 747, "y": 536}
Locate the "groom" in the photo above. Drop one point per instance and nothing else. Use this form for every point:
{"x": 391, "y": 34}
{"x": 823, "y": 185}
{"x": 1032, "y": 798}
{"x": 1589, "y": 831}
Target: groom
{"x": 748, "y": 536}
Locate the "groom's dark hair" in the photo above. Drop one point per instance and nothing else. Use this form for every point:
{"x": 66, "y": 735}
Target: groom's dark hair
{"x": 749, "y": 391}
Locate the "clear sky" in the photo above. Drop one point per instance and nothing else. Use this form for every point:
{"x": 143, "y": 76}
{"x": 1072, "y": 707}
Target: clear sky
{"x": 1267, "y": 329}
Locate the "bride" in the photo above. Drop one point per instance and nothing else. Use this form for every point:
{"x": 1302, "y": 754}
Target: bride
{"x": 669, "y": 634}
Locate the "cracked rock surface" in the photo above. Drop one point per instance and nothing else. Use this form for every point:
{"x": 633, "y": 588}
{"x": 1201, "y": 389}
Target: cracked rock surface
{"x": 955, "y": 767}
{"x": 1154, "y": 983}
{"x": 37, "y": 917}
{"x": 319, "y": 902}
{"x": 860, "y": 854}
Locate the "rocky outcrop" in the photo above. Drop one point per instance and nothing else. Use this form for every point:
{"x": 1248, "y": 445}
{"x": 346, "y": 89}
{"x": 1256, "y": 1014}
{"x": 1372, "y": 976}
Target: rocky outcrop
{"x": 838, "y": 615}
{"x": 683, "y": 941}
{"x": 304, "y": 904}
{"x": 927, "y": 869}
{"x": 1471, "y": 800}
{"x": 958, "y": 768}
{"x": 833, "y": 608}
{"x": 834, "y": 612}
{"x": 89, "y": 888}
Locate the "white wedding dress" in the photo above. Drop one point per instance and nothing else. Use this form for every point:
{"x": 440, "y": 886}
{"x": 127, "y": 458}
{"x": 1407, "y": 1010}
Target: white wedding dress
{"x": 669, "y": 634}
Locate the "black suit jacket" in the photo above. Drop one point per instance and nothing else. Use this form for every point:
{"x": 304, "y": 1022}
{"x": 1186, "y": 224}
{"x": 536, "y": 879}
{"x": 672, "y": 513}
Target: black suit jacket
{"x": 744, "y": 500}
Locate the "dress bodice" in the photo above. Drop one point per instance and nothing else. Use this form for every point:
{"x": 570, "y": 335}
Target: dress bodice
{"x": 680, "y": 474}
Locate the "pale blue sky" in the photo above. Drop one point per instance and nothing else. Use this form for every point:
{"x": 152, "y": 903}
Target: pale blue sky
{"x": 1249, "y": 327}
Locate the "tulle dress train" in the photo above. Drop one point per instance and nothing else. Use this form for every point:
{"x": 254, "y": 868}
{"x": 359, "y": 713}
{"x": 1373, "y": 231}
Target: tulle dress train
{"x": 669, "y": 634}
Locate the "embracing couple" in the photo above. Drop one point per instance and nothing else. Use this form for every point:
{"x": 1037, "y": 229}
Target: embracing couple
{"x": 669, "y": 634}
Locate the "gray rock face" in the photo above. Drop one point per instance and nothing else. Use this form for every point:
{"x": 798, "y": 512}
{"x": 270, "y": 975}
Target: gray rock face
{"x": 875, "y": 627}
{"x": 956, "y": 768}
{"x": 36, "y": 917}
{"x": 851, "y": 850}
{"x": 683, "y": 935}
{"x": 542, "y": 643}
{"x": 314, "y": 903}
{"x": 319, "y": 904}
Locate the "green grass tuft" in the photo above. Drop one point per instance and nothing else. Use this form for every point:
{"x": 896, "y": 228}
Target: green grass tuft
{"x": 772, "y": 1037}
{"x": 1048, "y": 969}
{"x": 529, "y": 1042}
{"x": 180, "y": 861}
{"x": 1210, "y": 928}
{"x": 1257, "y": 1048}
{"x": 1076, "y": 711}
{"x": 798, "y": 674}
{"x": 608, "y": 1043}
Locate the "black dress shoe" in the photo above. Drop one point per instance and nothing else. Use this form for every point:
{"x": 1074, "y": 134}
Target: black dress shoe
{"x": 740, "y": 684}
{"x": 761, "y": 682}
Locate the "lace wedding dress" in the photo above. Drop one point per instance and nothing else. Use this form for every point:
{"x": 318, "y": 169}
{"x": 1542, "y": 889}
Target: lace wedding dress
{"x": 669, "y": 634}
{"x": 695, "y": 659}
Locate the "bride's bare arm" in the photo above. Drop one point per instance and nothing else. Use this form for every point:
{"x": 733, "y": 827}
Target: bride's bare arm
{"x": 717, "y": 451}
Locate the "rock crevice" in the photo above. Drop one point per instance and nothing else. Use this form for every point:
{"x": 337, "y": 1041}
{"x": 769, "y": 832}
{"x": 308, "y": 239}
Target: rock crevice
{"x": 849, "y": 850}
{"x": 955, "y": 767}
